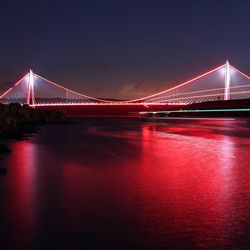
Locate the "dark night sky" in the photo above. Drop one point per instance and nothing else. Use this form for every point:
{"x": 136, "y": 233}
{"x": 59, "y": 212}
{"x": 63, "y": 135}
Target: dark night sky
{"x": 122, "y": 49}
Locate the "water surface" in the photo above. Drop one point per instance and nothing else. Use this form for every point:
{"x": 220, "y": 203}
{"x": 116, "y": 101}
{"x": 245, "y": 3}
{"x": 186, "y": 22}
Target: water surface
{"x": 117, "y": 183}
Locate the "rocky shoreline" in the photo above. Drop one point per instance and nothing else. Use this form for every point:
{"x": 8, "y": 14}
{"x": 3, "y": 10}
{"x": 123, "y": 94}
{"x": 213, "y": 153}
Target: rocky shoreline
{"x": 18, "y": 121}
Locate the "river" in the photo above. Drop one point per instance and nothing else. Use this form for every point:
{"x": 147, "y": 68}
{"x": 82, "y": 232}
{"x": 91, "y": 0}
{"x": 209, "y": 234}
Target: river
{"x": 128, "y": 183}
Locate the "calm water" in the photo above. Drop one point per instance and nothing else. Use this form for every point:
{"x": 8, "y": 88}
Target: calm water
{"x": 129, "y": 184}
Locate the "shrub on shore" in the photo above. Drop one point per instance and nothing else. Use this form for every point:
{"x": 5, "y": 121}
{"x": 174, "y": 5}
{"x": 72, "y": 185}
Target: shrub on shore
{"x": 17, "y": 121}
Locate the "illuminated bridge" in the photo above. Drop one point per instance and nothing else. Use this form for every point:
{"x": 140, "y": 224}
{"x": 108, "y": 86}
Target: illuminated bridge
{"x": 222, "y": 83}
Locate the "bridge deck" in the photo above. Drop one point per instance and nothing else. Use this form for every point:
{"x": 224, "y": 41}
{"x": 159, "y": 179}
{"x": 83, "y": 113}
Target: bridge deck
{"x": 134, "y": 110}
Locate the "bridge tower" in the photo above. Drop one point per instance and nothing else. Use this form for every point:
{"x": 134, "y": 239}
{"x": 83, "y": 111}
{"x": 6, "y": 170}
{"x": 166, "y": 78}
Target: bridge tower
{"x": 30, "y": 92}
{"x": 227, "y": 81}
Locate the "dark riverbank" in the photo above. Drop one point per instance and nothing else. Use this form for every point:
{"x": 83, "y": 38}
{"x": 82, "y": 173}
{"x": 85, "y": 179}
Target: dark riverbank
{"x": 18, "y": 121}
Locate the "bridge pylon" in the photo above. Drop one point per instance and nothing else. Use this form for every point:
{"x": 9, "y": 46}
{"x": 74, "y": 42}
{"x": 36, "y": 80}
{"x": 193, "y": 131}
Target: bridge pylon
{"x": 30, "y": 92}
{"x": 227, "y": 81}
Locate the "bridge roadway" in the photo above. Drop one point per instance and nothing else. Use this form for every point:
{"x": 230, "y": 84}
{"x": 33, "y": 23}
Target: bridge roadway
{"x": 135, "y": 109}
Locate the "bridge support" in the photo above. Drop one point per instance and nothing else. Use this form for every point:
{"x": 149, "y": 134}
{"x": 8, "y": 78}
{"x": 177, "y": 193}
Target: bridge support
{"x": 227, "y": 81}
{"x": 30, "y": 92}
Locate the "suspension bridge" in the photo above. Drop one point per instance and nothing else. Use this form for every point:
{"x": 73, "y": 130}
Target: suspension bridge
{"x": 222, "y": 83}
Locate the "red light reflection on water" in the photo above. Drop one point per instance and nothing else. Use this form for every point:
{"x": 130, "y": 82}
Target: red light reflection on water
{"x": 159, "y": 184}
{"x": 21, "y": 192}
{"x": 179, "y": 185}
{"x": 187, "y": 185}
